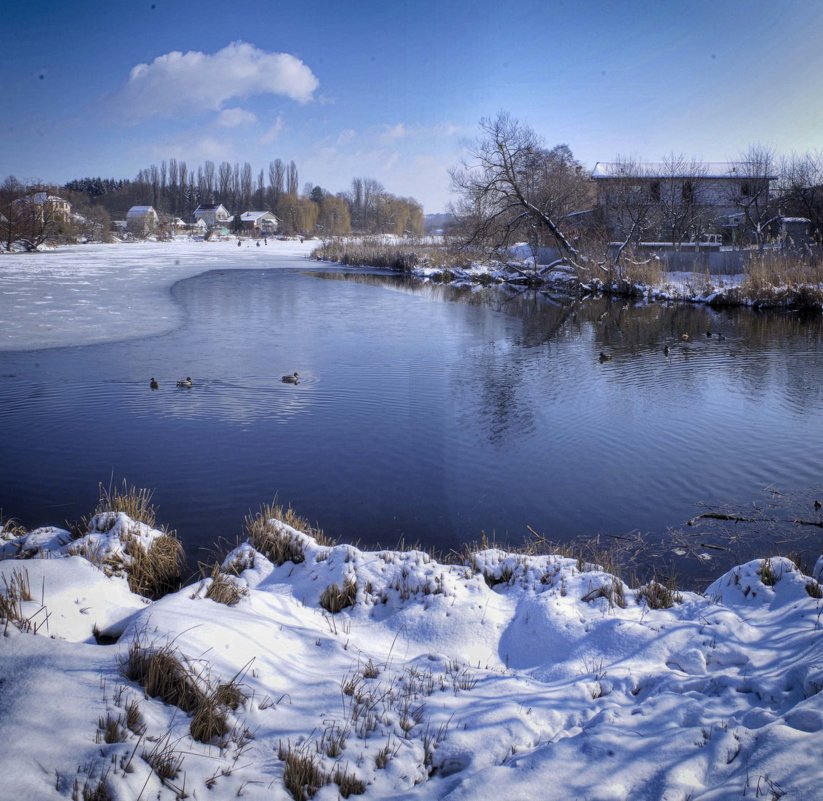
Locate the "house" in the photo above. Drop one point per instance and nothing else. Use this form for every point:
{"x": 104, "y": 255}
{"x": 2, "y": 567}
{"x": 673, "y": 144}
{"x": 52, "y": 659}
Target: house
{"x": 259, "y": 222}
{"x": 214, "y": 215}
{"x": 681, "y": 200}
{"x": 141, "y": 220}
{"x": 46, "y": 207}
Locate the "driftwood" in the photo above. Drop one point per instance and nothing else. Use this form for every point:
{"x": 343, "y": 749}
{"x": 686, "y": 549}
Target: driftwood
{"x": 742, "y": 519}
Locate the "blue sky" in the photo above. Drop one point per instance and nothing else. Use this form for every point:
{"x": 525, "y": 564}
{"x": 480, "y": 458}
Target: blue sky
{"x": 393, "y": 90}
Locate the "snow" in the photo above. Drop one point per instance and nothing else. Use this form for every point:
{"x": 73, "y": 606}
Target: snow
{"x": 85, "y": 294}
{"x": 493, "y": 678}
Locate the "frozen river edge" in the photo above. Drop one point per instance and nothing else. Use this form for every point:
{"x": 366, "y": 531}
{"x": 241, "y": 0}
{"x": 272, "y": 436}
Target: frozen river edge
{"x": 88, "y": 294}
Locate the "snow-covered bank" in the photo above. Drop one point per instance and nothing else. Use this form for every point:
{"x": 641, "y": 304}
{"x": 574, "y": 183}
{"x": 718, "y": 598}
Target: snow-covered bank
{"x": 85, "y": 294}
{"x": 508, "y": 676}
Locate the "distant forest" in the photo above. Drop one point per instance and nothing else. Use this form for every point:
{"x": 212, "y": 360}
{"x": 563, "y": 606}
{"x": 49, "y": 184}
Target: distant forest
{"x": 175, "y": 190}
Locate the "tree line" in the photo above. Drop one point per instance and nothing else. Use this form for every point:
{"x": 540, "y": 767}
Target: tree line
{"x": 176, "y": 190}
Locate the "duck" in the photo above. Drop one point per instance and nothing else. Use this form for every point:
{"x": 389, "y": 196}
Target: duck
{"x": 185, "y": 382}
{"x": 153, "y": 383}
{"x": 291, "y": 379}
{"x": 605, "y": 357}
{"x": 666, "y": 350}
{"x": 685, "y": 337}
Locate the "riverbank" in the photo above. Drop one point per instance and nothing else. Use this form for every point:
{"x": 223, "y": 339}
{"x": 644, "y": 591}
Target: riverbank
{"x": 299, "y": 668}
{"x": 776, "y": 280}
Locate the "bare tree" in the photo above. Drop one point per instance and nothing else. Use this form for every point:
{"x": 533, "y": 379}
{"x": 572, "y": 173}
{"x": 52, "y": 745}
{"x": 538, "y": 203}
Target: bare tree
{"x": 632, "y": 204}
{"x": 507, "y": 189}
{"x": 802, "y": 188}
{"x": 755, "y": 169}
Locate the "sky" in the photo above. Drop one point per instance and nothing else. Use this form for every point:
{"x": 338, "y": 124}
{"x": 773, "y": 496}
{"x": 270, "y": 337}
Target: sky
{"x": 395, "y": 90}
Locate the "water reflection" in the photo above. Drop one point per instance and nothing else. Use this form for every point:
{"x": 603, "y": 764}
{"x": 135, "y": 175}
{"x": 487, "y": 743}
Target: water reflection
{"x": 426, "y": 412}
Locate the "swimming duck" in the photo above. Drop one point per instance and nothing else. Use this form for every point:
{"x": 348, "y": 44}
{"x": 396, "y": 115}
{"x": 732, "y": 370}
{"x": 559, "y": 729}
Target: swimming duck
{"x": 666, "y": 350}
{"x": 684, "y": 337}
{"x": 153, "y": 383}
{"x": 605, "y": 357}
{"x": 291, "y": 379}
{"x": 185, "y": 382}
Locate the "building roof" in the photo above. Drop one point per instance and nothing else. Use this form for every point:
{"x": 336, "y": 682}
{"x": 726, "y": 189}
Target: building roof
{"x": 691, "y": 169}
{"x": 253, "y": 216}
{"x": 139, "y": 211}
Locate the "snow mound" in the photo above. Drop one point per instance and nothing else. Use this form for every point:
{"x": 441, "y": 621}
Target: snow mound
{"x": 392, "y": 675}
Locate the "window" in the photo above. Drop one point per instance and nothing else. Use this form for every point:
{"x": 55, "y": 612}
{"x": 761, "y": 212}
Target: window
{"x": 654, "y": 191}
{"x": 687, "y": 192}
{"x": 745, "y": 189}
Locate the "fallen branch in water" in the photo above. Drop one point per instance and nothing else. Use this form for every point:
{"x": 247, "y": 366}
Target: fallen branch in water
{"x": 733, "y": 518}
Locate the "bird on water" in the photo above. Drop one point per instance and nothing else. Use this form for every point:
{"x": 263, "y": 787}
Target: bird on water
{"x": 294, "y": 378}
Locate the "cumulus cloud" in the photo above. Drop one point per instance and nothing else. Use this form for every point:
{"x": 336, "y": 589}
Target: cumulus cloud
{"x": 235, "y": 117}
{"x": 194, "y": 81}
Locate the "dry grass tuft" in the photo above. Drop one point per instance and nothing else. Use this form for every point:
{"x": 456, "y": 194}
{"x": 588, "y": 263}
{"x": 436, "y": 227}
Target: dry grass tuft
{"x": 659, "y": 596}
{"x": 302, "y": 774}
{"x": 111, "y": 730}
{"x": 348, "y": 783}
{"x": 10, "y": 529}
{"x": 277, "y": 545}
{"x": 163, "y": 673}
{"x": 96, "y": 792}
{"x": 132, "y": 501}
{"x": 333, "y": 599}
{"x": 165, "y": 761}
{"x": 814, "y": 589}
{"x": 15, "y": 591}
{"x": 612, "y": 591}
{"x": 157, "y": 571}
{"x": 768, "y": 575}
{"x": 222, "y": 589}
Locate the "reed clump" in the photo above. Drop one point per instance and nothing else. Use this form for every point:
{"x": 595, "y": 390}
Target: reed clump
{"x": 400, "y": 255}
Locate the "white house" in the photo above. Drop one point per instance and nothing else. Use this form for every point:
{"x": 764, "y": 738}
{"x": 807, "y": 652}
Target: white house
{"x": 260, "y": 222}
{"x": 213, "y": 214}
{"x": 141, "y": 220}
{"x": 46, "y": 207}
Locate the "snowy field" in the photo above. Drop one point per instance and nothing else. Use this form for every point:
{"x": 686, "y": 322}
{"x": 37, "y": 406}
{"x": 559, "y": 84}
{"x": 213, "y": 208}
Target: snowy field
{"x": 507, "y": 677}
{"x": 85, "y": 294}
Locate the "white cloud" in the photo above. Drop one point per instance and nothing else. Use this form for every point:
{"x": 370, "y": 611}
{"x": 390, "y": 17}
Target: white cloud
{"x": 195, "y": 81}
{"x": 235, "y": 117}
{"x": 346, "y": 136}
{"x": 274, "y": 131}
{"x": 393, "y": 132}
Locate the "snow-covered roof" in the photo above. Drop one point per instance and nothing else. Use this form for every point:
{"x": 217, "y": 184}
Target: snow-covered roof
{"x": 253, "y": 216}
{"x": 691, "y": 169}
{"x": 140, "y": 211}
